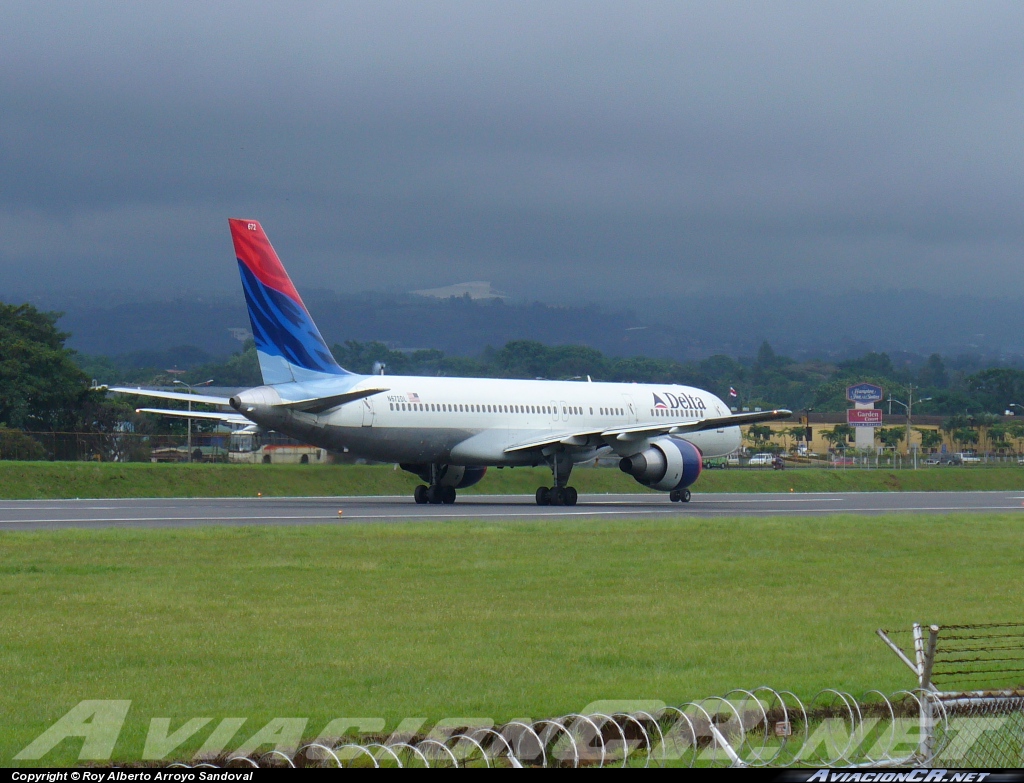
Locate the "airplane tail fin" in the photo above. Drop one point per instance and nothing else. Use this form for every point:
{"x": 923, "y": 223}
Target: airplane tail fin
{"x": 288, "y": 343}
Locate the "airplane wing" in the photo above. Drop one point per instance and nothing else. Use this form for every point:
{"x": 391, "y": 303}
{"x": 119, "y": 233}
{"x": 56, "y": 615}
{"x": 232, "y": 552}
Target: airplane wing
{"x": 639, "y": 431}
{"x": 231, "y": 418}
{"x": 563, "y": 438}
{"x": 167, "y": 395}
{"x": 683, "y": 427}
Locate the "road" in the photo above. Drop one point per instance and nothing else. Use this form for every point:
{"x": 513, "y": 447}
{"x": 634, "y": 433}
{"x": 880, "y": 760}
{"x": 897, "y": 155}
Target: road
{"x": 190, "y": 512}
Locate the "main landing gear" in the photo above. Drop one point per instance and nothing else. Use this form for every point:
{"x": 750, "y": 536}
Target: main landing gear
{"x": 436, "y": 492}
{"x": 559, "y": 494}
{"x": 679, "y": 496}
{"x": 556, "y": 496}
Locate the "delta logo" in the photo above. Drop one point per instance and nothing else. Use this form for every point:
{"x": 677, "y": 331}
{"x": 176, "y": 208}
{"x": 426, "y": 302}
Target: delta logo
{"x": 668, "y": 400}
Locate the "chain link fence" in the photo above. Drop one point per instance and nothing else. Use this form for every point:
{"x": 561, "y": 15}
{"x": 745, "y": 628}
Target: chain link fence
{"x": 112, "y": 446}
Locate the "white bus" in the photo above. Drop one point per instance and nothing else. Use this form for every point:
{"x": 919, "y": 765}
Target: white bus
{"x": 253, "y": 448}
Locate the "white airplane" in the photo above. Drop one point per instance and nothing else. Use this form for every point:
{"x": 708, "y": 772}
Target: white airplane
{"x": 448, "y": 431}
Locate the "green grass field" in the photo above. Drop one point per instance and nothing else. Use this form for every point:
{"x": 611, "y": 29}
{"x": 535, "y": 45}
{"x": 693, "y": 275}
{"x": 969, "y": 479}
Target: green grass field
{"x": 473, "y": 619}
{"x": 20, "y": 480}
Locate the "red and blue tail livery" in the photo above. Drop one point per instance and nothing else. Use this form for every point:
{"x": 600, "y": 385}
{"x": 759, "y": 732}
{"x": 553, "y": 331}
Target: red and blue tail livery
{"x": 288, "y": 343}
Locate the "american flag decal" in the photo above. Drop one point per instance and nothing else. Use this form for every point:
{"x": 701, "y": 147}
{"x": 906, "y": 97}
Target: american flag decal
{"x": 413, "y": 396}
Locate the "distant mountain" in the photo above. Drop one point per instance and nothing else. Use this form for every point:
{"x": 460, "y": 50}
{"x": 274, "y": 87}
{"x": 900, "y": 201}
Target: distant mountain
{"x": 799, "y": 324}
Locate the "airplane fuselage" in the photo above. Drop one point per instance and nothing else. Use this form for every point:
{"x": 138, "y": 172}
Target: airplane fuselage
{"x": 473, "y": 421}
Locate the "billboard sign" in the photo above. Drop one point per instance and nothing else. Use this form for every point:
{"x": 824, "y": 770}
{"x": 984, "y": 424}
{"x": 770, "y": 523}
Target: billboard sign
{"x": 864, "y": 417}
{"x": 864, "y": 393}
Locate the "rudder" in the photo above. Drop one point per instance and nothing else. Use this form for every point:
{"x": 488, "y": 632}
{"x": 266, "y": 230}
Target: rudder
{"x": 288, "y": 344}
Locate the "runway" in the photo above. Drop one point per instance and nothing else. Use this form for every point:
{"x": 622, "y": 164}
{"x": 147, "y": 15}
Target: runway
{"x": 193, "y": 512}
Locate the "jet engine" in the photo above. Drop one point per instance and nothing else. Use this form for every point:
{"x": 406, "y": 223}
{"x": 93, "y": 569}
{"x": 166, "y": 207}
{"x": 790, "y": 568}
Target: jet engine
{"x": 669, "y": 463}
{"x": 458, "y": 476}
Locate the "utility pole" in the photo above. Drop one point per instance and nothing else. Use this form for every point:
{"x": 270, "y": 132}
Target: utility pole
{"x": 191, "y": 391}
{"x": 908, "y": 406}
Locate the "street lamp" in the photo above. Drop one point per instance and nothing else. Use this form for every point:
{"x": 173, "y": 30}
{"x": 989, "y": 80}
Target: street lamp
{"x": 191, "y": 390}
{"x": 909, "y": 407}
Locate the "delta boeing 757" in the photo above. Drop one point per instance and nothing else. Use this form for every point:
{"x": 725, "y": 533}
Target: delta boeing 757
{"x": 448, "y": 431}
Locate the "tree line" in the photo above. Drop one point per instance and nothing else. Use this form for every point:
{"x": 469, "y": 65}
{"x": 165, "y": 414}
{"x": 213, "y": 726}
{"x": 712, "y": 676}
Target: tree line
{"x": 44, "y": 386}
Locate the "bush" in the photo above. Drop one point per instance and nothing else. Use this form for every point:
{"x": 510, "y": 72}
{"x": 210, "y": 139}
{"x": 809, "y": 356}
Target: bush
{"x": 15, "y": 444}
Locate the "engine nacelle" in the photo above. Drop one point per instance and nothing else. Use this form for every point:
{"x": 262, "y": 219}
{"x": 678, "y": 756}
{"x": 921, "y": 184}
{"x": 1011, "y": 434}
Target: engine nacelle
{"x": 670, "y": 463}
{"x": 458, "y": 476}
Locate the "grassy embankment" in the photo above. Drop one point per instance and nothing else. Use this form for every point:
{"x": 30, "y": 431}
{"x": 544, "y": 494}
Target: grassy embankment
{"x": 21, "y": 480}
{"x": 471, "y": 619}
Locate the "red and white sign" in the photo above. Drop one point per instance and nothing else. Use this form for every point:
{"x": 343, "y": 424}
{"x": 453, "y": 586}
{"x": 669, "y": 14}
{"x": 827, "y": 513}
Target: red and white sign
{"x": 864, "y": 417}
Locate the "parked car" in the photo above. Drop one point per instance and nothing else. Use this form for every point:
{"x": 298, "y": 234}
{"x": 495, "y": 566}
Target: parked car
{"x": 944, "y": 459}
{"x": 842, "y": 461}
{"x": 968, "y": 459}
{"x": 761, "y": 460}
{"x": 716, "y": 462}
{"x": 1020, "y": 460}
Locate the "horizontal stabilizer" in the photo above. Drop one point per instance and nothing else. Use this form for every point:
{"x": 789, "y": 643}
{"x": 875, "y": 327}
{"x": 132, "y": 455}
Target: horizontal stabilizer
{"x": 231, "y": 418}
{"x": 321, "y": 404}
{"x": 205, "y": 399}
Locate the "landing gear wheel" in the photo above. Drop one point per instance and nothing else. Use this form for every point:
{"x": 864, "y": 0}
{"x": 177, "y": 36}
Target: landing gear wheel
{"x": 569, "y": 496}
{"x": 543, "y": 496}
{"x": 685, "y": 496}
{"x": 557, "y": 496}
{"x": 674, "y": 495}
{"x": 420, "y": 494}
{"x": 448, "y": 495}
{"x": 434, "y": 494}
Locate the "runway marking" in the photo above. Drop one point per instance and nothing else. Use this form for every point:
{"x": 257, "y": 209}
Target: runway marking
{"x": 442, "y": 515}
{"x": 758, "y": 500}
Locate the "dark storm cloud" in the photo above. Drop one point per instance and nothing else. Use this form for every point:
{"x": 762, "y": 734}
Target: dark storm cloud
{"x": 557, "y": 149}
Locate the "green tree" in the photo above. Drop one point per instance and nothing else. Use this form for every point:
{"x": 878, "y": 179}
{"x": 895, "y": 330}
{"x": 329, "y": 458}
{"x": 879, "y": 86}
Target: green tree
{"x": 965, "y": 436}
{"x": 1016, "y": 432}
{"x": 838, "y": 435}
{"x": 996, "y": 388}
{"x": 41, "y": 386}
{"x": 997, "y": 435}
{"x": 873, "y": 364}
{"x": 759, "y": 435}
{"x": 891, "y": 437}
{"x": 15, "y": 444}
{"x": 930, "y": 439}
{"x": 796, "y": 433}
{"x": 933, "y": 374}
{"x": 957, "y": 421}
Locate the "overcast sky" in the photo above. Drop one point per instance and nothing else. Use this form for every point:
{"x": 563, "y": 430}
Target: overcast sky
{"x": 561, "y": 150}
